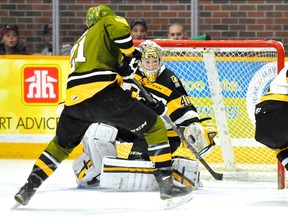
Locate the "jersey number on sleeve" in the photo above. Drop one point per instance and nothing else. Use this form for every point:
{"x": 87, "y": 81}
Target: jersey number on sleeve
{"x": 79, "y": 47}
{"x": 185, "y": 101}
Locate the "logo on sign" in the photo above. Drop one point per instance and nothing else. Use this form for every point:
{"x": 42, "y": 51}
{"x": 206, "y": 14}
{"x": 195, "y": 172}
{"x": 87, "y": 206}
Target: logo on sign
{"x": 41, "y": 84}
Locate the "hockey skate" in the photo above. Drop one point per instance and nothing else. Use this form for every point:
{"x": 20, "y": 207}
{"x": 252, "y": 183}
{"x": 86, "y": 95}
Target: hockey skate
{"x": 172, "y": 192}
{"x": 25, "y": 194}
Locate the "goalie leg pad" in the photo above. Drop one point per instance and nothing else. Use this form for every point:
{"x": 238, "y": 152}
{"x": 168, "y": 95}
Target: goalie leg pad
{"x": 99, "y": 149}
{"x": 136, "y": 175}
{"x": 84, "y": 171}
{"x": 128, "y": 175}
{"x": 100, "y": 131}
{"x": 87, "y": 167}
{"x": 186, "y": 172}
{"x": 97, "y": 143}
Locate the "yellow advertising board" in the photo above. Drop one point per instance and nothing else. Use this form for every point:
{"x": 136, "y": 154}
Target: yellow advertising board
{"x": 30, "y": 89}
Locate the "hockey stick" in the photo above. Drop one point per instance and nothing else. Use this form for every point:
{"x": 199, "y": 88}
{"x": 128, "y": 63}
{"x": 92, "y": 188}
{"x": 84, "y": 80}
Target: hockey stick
{"x": 151, "y": 100}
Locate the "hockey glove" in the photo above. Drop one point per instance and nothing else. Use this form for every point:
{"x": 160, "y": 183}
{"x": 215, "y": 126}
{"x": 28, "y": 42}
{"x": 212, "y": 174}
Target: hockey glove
{"x": 159, "y": 107}
{"x": 137, "y": 54}
{"x": 123, "y": 68}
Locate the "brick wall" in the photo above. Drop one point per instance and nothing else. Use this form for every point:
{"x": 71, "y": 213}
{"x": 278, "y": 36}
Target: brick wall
{"x": 222, "y": 19}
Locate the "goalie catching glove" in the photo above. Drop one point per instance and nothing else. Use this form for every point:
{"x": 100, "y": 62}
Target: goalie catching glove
{"x": 201, "y": 137}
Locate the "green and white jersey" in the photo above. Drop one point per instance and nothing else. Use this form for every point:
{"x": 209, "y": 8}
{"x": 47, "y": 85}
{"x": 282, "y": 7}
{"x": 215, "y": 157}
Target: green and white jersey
{"x": 94, "y": 58}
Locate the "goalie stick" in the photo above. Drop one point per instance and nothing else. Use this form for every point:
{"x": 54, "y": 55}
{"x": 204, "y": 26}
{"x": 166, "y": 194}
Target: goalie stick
{"x": 151, "y": 100}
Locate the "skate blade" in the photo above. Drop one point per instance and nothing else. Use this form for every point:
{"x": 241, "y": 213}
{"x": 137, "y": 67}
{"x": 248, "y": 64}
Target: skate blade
{"x": 16, "y": 205}
{"x": 177, "y": 201}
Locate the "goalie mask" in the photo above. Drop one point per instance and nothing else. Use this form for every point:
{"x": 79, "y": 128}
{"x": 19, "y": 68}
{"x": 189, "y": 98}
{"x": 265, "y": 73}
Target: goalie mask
{"x": 144, "y": 44}
{"x": 151, "y": 60}
{"x": 94, "y": 14}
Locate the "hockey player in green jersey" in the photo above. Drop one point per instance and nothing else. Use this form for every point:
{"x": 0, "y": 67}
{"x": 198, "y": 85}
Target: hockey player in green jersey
{"x": 94, "y": 94}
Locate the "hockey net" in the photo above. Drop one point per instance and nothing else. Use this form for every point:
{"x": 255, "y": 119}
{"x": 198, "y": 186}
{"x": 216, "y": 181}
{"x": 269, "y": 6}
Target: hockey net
{"x": 225, "y": 79}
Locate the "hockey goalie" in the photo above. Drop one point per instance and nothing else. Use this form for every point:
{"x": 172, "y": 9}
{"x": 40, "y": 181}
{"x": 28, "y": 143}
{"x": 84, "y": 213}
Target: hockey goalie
{"x": 99, "y": 166}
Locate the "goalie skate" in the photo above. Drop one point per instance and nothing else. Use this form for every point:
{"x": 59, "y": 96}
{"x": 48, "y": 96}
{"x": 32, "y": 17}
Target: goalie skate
{"x": 175, "y": 202}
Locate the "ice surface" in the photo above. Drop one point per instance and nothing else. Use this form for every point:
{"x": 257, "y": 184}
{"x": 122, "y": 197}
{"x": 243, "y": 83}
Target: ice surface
{"x": 59, "y": 195}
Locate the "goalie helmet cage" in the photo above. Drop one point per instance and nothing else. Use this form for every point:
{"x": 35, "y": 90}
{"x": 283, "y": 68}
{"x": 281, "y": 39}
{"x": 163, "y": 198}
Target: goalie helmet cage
{"x": 225, "y": 79}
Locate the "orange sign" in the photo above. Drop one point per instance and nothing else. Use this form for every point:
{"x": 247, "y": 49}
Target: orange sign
{"x": 40, "y": 85}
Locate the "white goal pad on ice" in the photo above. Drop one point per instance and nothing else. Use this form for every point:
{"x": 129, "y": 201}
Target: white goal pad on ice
{"x": 136, "y": 175}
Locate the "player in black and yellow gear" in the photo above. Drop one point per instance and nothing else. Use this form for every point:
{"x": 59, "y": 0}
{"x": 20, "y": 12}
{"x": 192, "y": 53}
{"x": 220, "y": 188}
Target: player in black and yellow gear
{"x": 271, "y": 115}
{"x": 166, "y": 87}
{"x": 94, "y": 94}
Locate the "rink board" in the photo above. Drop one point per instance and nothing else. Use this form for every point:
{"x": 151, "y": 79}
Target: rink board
{"x": 31, "y": 88}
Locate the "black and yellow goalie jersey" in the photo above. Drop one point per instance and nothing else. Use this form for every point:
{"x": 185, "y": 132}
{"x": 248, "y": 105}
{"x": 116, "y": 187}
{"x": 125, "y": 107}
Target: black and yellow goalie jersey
{"x": 169, "y": 89}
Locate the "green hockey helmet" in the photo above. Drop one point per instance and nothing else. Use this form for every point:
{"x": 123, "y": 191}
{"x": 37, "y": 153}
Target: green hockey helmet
{"x": 94, "y": 14}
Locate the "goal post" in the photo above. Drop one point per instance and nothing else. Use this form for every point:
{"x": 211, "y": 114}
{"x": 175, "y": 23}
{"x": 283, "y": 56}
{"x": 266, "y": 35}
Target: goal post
{"x": 219, "y": 109}
{"x": 225, "y": 79}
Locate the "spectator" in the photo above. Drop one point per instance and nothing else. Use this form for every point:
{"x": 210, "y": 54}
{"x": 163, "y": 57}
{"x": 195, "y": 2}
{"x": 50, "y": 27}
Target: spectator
{"x": 48, "y": 39}
{"x": 10, "y": 43}
{"x": 139, "y": 29}
{"x": 176, "y": 31}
